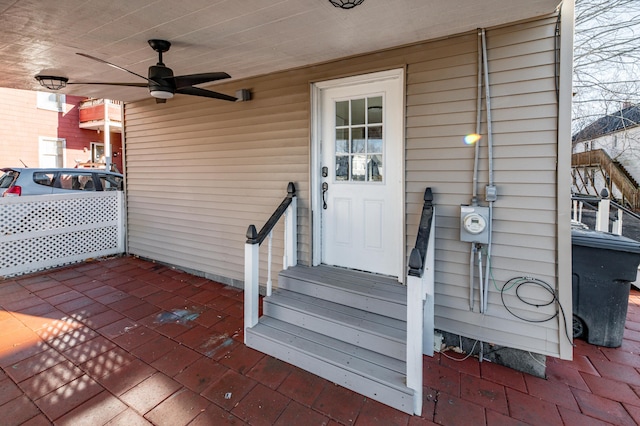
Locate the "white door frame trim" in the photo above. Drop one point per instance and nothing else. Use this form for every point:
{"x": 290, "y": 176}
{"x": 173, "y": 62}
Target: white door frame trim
{"x": 316, "y": 158}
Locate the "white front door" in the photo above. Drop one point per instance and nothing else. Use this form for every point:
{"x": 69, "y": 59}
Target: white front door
{"x": 361, "y": 173}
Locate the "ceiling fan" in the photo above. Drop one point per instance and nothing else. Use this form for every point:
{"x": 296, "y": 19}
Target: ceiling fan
{"x": 161, "y": 82}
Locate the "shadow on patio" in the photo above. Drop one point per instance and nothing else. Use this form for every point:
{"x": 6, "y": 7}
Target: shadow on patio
{"x": 125, "y": 341}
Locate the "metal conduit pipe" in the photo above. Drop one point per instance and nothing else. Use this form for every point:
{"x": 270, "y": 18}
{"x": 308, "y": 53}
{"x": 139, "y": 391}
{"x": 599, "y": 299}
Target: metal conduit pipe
{"x": 472, "y": 262}
{"x": 490, "y": 187}
{"x": 491, "y": 193}
{"x": 474, "y": 198}
{"x": 487, "y": 94}
{"x": 482, "y": 293}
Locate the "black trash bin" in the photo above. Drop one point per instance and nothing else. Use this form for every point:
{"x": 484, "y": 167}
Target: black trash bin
{"x": 603, "y": 267}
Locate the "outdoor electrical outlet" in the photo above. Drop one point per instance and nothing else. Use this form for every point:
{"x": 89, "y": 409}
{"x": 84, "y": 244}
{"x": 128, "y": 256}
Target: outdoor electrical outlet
{"x": 491, "y": 193}
{"x": 437, "y": 342}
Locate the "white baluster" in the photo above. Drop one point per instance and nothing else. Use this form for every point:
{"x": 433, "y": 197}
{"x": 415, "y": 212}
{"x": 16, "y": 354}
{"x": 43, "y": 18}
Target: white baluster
{"x": 290, "y": 257}
{"x": 581, "y": 205}
{"x": 602, "y": 217}
{"x": 269, "y": 281}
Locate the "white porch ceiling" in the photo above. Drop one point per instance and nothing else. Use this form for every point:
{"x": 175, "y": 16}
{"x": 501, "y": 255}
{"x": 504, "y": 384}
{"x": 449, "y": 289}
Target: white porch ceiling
{"x": 241, "y": 37}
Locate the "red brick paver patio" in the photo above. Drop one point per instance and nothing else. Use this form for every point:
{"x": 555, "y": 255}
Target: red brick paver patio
{"x": 129, "y": 342}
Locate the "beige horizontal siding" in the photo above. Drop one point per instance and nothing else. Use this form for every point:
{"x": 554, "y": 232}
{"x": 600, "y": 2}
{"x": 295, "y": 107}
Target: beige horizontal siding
{"x": 200, "y": 171}
{"x": 524, "y": 113}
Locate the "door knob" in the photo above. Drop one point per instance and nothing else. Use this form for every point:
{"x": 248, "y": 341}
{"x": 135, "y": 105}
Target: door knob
{"x": 325, "y": 188}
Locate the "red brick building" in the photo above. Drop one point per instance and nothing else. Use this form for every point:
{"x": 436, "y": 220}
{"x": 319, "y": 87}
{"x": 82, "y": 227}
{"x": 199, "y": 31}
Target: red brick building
{"x": 42, "y": 129}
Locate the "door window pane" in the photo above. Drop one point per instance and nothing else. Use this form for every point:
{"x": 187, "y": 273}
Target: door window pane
{"x": 359, "y": 142}
{"x": 342, "y": 167}
{"x": 374, "y": 141}
{"x": 357, "y": 111}
{"x": 358, "y": 168}
{"x": 342, "y": 141}
{"x": 374, "y": 168}
{"x": 97, "y": 152}
{"x": 374, "y": 110}
{"x": 342, "y": 113}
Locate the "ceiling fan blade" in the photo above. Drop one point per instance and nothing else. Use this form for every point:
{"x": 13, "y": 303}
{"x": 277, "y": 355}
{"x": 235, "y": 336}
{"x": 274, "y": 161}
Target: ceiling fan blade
{"x": 112, "y": 65}
{"x": 193, "y": 79}
{"x": 111, "y": 84}
{"x": 196, "y": 91}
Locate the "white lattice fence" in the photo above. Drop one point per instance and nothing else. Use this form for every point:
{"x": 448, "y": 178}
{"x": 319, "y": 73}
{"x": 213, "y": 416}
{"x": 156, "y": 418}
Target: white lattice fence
{"x": 40, "y": 232}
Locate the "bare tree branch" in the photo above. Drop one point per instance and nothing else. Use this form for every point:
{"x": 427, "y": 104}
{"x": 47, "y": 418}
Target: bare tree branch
{"x": 606, "y": 58}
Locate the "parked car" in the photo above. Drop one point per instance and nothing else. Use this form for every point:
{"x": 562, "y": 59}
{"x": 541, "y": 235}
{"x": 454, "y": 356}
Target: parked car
{"x": 43, "y": 181}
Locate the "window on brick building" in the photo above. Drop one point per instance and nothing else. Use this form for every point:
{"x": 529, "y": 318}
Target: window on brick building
{"x": 51, "y": 152}
{"x": 51, "y": 101}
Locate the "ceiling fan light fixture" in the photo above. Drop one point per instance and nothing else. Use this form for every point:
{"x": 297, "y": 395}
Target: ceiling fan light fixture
{"x": 346, "y": 4}
{"x": 52, "y": 82}
{"x": 161, "y": 94}
{"x": 161, "y": 82}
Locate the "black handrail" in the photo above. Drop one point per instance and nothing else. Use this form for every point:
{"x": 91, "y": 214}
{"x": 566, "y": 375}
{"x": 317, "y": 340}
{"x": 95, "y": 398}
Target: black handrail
{"x": 419, "y": 252}
{"x": 254, "y": 237}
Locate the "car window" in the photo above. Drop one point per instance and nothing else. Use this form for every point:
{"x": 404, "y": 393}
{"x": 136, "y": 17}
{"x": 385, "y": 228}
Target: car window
{"x": 110, "y": 182}
{"x": 7, "y": 179}
{"x": 76, "y": 181}
{"x": 43, "y": 178}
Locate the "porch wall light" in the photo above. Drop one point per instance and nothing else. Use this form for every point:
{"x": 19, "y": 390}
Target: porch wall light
{"x": 52, "y": 82}
{"x": 346, "y": 4}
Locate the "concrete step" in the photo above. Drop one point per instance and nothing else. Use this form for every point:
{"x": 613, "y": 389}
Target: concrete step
{"x": 369, "y": 373}
{"x": 366, "y": 329}
{"x": 369, "y": 292}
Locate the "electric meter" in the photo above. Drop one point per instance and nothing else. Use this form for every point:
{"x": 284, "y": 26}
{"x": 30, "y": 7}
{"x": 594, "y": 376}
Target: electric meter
{"x": 474, "y": 224}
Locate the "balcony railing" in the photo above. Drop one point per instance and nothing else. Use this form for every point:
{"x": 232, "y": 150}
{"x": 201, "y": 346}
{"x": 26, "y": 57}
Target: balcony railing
{"x": 95, "y": 112}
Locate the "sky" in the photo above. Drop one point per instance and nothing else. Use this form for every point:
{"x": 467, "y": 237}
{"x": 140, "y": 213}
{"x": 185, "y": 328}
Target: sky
{"x": 606, "y": 58}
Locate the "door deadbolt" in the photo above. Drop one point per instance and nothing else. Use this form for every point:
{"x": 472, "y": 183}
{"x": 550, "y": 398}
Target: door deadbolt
{"x": 325, "y": 171}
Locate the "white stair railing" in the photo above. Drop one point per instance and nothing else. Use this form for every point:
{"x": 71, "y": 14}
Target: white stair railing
{"x": 288, "y": 208}
{"x": 420, "y": 306}
{"x": 603, "y": 221}
{"x": 576, "y": 215}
